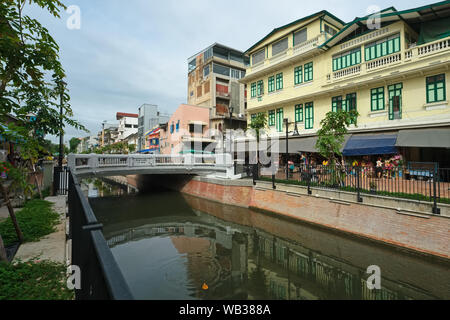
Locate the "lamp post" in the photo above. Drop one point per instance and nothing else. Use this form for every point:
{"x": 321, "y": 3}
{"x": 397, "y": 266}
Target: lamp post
{"x": 286, "y": 122}
{"x": 295, "y": 134}
{"x": 231, "y": 109}
{"x": 61, "y": 85}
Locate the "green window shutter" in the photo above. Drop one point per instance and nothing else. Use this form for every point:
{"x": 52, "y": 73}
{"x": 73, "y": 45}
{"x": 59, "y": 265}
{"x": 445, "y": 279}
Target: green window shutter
{"x": 350, "y": 103}
{"x": 279, "y": 124}
{"x": 308, "y": 72}
{"x": 336, "y": 103}
{"x": 367, "y": 54}
{"x": 309, "y": 115}
{"x": 377, "y": 99}
{"x": 299, "y": 113}
{"x": 395, "y": 101}
{"x": 279, "y": 81}
{"x": 260, "y": 87}
{"x": 298, "y": 75}
{"x": 271, "y": 84}
{"x": 253, "y": 90}
{"x": 272, "y": 118}
{"x": 397, "y": 44}
{"x": 436, "y": 90}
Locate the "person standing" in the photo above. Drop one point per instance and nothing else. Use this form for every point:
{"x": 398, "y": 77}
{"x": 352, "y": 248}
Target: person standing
{"x": 379, "y": 168}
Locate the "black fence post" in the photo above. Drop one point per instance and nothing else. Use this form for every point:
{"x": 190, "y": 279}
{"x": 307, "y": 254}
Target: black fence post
{"x": 358, "y": 184}
{"x": 309, "y": 177}
{"x": 56, "y": 173}
{"x": 255, "y": 173}
{"x": 273, "y": 182}
{"x": 436, "y": 210}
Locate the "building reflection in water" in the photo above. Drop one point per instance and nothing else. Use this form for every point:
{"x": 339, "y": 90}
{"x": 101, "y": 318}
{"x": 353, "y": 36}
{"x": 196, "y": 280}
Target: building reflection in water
{"x": 249, "y": 260}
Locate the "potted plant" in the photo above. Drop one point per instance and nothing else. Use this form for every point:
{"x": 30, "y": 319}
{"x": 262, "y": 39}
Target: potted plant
{"x": 373, "y": 187}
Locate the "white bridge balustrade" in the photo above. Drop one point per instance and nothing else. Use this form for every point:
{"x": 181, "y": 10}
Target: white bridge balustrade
{"x": 218, "y": 165}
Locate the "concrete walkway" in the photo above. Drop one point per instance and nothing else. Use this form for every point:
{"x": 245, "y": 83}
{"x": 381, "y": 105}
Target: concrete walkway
{"x": 4, "y": 213}
{"x": 53, "y": 246}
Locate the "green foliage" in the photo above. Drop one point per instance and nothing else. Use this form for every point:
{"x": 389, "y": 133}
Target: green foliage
{"x": 36, "y": 219}
{"x": 132, "y": 148}
{"x": 258, "y": 123}
{"x": 116, "y": 148}
{"x": 34, "y": 281}
{"x": 30, "y": 71}
{"x": 74, "y": 142}
{"x": 332, "y": 133}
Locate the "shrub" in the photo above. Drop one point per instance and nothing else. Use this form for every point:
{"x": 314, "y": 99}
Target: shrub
{"x": 36, "y": 219}
{"x": 34, "y": 281}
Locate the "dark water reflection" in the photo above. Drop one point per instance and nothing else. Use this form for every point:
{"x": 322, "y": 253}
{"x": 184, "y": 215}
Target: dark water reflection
{"x": 168, "y": 245}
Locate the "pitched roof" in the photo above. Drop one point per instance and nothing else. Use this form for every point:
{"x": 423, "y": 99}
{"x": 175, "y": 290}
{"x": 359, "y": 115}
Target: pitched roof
{"x": 320, "y": 13}
{"x": 420, "y": 14}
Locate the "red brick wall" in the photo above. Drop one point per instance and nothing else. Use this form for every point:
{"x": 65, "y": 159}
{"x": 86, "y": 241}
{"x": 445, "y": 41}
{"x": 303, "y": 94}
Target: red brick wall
{"x": 420, "y": 234}
{"x": 239, "y": 196}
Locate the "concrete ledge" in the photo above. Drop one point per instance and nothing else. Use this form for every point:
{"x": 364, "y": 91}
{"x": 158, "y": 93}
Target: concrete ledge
{"x": 225, "y": 182}
{"x": 398, "y": 204}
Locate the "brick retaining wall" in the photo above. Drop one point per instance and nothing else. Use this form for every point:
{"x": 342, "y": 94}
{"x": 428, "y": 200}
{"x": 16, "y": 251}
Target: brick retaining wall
{"x": 427, "y": 234}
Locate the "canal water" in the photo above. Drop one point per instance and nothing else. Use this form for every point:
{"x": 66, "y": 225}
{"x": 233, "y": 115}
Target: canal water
{"x": 173, "y": 246}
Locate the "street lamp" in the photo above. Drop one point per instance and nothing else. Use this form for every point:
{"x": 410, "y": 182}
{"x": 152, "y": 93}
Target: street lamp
{"x": 295, "y": 134}
{"x": 61, "y": 86}
{"x": 286, "y": 122}
{"x": 231, "y": 124}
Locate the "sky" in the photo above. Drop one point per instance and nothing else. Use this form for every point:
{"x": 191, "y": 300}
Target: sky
{"x": 127, "y": 53}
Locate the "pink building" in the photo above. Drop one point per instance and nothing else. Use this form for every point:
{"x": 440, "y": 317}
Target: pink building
{"x": 187, "y": 131}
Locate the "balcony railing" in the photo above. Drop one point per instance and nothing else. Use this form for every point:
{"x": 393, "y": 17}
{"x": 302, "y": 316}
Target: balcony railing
{"x": 346, "y": 72}
{"x": 408, "y": 56}
{"x": 394, "y": 58}
{"x": 288, "y": 54}
{"x": 427, "y": 49}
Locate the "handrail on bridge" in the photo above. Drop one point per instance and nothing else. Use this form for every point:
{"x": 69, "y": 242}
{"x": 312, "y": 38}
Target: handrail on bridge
{"x": 88, "y": 162}
{"x": 101, "y": 277}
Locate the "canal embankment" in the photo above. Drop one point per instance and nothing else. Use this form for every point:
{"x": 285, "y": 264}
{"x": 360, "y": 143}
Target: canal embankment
{"x": 401, "y": 223}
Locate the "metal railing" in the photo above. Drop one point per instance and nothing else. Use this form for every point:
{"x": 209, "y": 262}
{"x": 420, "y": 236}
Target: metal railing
{"x": 427, "y": 184}
{"x": 60, "y": 180}
{"x": 101, "y": 277}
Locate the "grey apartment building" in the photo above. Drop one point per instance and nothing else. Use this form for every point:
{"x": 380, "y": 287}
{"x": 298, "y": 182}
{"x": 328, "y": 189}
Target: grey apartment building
{"x": 149, "y": 118}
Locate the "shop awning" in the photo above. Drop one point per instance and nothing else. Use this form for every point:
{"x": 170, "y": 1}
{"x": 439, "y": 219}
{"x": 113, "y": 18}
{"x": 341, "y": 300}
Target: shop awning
{"x": 251, "y": 146}
{"x": 424, "y": 138}
{"x": 308, "y": 144}
{"x": 365, "y": 145}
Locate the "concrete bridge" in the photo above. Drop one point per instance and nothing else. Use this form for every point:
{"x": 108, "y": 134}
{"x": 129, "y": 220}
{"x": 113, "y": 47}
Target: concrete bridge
{"x": 215, "y": 165}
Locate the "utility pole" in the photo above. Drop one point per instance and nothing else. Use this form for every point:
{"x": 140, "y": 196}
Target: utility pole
{"x": 287, "y": 148}
{"x": 62, "y": 84}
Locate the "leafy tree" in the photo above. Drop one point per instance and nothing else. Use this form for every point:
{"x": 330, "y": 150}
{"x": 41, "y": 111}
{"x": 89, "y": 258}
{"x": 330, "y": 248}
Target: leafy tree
{"x": 74, "y": 142}
{"x": 258, "y": 123}
{"x": 31, "y": 82}
{"x": 131, "y": 148}
{"x": 332, "y": 133}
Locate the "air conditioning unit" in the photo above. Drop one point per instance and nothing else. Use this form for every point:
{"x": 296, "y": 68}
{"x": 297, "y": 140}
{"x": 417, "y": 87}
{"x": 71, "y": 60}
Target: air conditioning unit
{"x": 241, "y": 116}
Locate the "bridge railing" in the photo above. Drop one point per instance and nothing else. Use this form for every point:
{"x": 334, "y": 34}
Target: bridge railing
{"x": 101, "y": 277}
{"x": 93, "y": 161}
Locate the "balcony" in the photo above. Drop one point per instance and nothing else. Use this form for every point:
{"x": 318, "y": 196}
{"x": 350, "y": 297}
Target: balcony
{"x": 402, "y": 58}
{"x": 286, "y": 56}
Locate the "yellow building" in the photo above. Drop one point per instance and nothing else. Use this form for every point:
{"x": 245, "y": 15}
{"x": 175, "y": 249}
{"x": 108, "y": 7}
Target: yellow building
{"x": 393, "y": 68}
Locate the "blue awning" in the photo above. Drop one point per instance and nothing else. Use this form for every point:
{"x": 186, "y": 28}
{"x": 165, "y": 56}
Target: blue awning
{"x": 359, "y": 145}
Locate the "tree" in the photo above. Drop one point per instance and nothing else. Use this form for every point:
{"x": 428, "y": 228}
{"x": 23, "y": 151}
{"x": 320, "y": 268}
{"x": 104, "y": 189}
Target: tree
{"x": 332, "y": 133}
{"x": 74, "y": 142}
{"x": 30, "y": 71}
{"x": 258, "y": 123}
{"x": 31, "y": 82}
